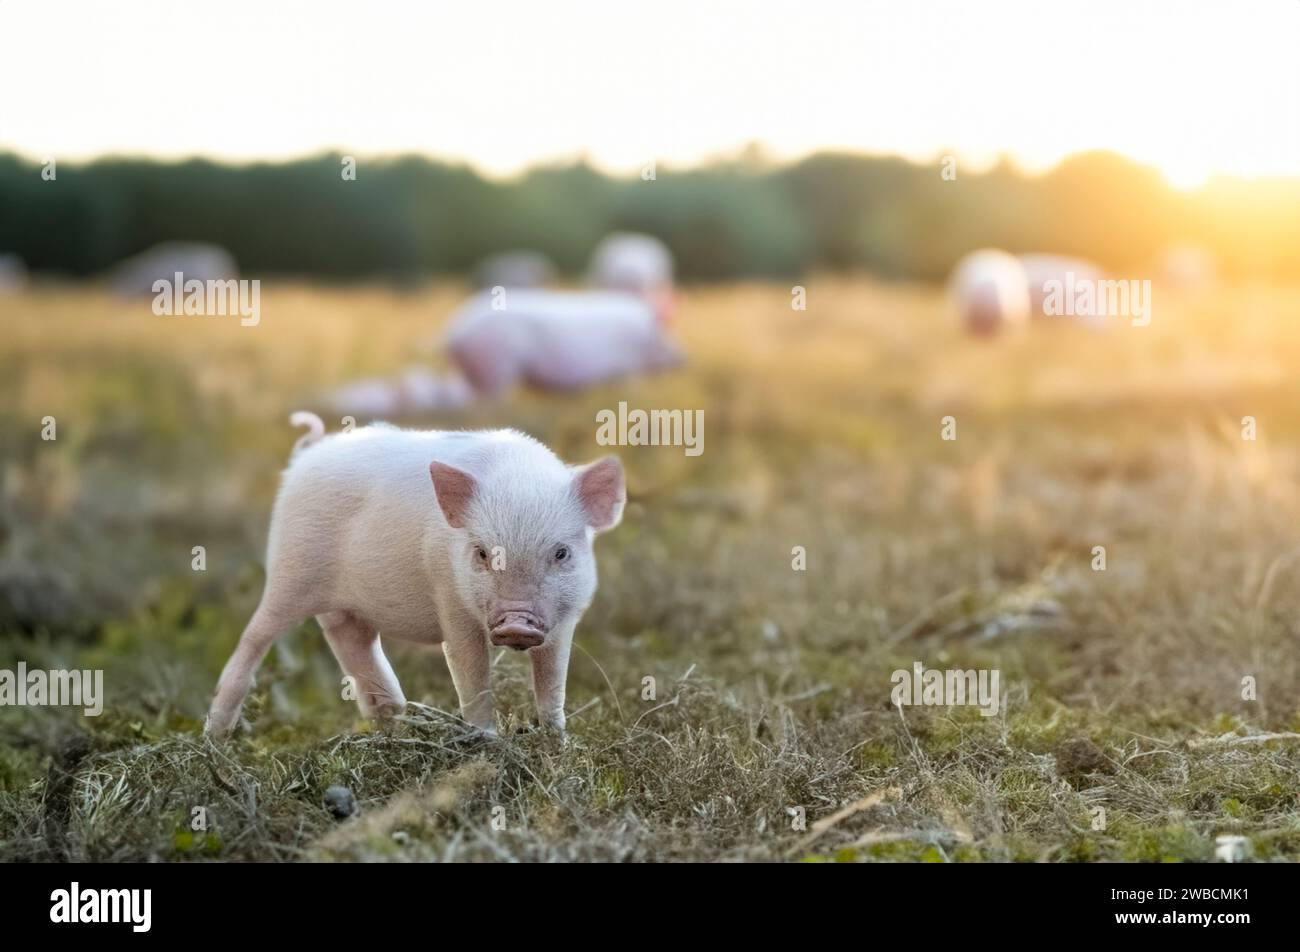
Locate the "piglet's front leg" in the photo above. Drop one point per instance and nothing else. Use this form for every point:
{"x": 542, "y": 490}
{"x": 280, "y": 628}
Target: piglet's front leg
{"x": 466, "y": 652}
{"x": 550, "y": 672}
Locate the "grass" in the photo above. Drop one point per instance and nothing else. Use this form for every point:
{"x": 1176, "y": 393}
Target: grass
{"x": 1123, "y": 734}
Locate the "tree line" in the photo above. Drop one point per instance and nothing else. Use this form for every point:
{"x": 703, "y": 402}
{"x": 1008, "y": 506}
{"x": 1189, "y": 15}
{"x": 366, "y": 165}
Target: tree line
{"x": 406, "y": 217}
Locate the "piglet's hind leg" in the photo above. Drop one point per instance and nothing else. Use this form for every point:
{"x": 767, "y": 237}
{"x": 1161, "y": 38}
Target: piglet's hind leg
{"x": 263, "y": 629}
{"x": 356, "y": 646}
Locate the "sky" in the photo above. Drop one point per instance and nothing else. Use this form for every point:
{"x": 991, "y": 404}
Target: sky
{"x": 1195, "y": 88}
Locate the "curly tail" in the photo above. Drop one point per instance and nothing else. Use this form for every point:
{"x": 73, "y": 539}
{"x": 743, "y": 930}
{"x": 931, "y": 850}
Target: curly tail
{"x": 314, "y": 434}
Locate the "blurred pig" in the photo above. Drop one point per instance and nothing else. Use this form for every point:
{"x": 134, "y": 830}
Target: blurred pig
{"x": 624, "y": 261}
{"x": 13, "y": 274}
{"x": 196, "y": 261}
{"x": 556, "y": 340}
{"x": 514, "y": 269}
{"x": 513, "y": 334}
{"x": 991, "y": 291}
{"x": 1043, "y": 269}
{"x": 417, "y": 389}
{"x": 637, "y": 264}
{"x": 469, "y": 539}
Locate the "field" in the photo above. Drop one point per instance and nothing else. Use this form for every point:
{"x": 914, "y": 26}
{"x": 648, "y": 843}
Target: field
{"x": 1123, "y": 732}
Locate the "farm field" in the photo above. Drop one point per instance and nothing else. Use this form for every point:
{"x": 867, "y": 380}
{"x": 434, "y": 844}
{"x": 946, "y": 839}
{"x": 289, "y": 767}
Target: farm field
{"x": 1122, "y": 732}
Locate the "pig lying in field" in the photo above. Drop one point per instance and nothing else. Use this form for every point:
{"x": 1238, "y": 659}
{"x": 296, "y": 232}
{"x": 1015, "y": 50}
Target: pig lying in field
{"x": 471, "y": 539}
{"x": 557, "y": 340}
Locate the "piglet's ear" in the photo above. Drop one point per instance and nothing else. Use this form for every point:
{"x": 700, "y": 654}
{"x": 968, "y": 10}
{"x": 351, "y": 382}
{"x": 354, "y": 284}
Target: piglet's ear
{"x": 455, "y": 489}
{"x": 600, "y": 489}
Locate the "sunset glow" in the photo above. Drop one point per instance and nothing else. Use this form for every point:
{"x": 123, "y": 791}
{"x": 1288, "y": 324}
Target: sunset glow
{"x": 1194, "y": 88}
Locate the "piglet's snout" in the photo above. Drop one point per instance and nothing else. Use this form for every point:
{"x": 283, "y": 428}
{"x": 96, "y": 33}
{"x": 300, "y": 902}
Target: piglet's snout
{"x": 517, "y": 629}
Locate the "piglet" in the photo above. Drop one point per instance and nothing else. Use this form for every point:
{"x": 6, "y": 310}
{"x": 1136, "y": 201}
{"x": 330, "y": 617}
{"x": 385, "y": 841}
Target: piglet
{"x": 471, "y": 539}
{"x": 557, "y": 340}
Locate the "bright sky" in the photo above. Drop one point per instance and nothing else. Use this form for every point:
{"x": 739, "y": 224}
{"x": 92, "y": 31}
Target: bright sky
{"x": 1194, "y": 87}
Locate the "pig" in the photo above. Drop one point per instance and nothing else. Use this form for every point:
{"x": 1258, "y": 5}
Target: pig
{"x": 418, "y": 390}
{"x": 469, "y": 539}
{"x": 556, "y": 340}
{"x": 195, "y": 260}
{"x": 1041, "y": 269}
{"x": 991, "y": 291}
{"x": 637, "y": 264}
{"x": 13, "y": 274}
{"x": 626, "y": 261}
{"x": 514, "y": 269}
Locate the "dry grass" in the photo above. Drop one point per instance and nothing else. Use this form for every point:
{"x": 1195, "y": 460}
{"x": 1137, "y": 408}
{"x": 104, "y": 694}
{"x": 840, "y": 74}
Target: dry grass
{"x": 822, "y": 431}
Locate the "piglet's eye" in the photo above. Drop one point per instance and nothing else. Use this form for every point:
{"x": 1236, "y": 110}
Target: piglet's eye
{"x": 482, "y": 553}
{"x": 561, "y": 553}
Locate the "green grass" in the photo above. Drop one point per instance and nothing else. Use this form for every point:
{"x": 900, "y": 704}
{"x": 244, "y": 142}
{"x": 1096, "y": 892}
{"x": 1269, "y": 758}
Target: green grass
{"x": 1122, "y": 688}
